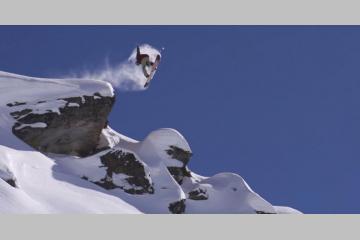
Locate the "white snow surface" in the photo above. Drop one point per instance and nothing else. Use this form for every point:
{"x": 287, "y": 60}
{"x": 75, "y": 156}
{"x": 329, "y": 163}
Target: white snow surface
{"x": 53, "y": 183}
{"x": 30, "y": 89}
{"x": 286, "y": 210}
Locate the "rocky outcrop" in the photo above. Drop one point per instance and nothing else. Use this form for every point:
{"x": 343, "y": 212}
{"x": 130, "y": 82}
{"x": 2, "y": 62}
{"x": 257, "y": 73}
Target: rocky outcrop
{"x": 8, "y": 176}
{"x": 183, "y": 157}
{"x": 64, "y": 125}
{"x": 177, "y": 207}
{"x": 179, "y": 154}
{"x": 263, "y": 212}
{"x": 179, "y": 173}
{"x": 11, "y": 182}
{"x": 125, "y": 171}
{"x": 198, "y": 194}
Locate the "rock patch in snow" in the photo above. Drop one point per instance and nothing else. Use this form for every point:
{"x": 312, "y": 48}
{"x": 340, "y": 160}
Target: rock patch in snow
{"x": 56, "y": 126}
{"x": 125, "y": 171}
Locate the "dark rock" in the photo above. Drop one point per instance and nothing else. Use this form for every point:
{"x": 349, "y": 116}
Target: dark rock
{"x": 262, "y": 212}
{"x": 184, "y": 157}
{"x": 118, "y": 162}
{"x": 177, "y": 207}
{"x": 21, "y": 113}
{"x": 179, "y": 173}
{"x": 107, "y": 183}
{"x": 179, "y": 154}
{"x": 198, "y": 194}
{"x": 8, "y": 177}
{"x": 75, "y": 130}
{"x": 15, "y": 104}
{"x": 11, "y": 182}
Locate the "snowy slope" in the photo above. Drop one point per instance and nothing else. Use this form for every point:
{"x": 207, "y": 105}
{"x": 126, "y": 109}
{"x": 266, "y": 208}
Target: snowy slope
{"x": 122, "y": 176}
{"x": 39, "y": 188}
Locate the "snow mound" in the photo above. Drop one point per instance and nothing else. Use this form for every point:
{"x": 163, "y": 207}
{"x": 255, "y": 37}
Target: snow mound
{"x": 224, "y": 190}
{"x": 286, "y": 210}
{"x": 30, "y": 89}
{"x": 159, "y": 141}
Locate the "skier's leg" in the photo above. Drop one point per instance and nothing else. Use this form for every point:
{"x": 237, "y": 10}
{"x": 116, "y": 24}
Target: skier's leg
{"x": 144, "y": 64}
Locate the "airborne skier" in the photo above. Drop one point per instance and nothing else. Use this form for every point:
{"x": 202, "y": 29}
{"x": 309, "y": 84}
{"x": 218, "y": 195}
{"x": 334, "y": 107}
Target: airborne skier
{"x": 144, "y": 61}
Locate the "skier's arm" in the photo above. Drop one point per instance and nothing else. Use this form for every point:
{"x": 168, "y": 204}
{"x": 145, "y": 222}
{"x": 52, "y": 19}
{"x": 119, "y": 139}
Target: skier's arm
{"x": 137, "y": 50}
{"x": 138, "y": 55}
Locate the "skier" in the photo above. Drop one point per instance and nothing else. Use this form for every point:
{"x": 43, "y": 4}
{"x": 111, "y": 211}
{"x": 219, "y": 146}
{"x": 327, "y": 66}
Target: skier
{"x": 144, "y": 60}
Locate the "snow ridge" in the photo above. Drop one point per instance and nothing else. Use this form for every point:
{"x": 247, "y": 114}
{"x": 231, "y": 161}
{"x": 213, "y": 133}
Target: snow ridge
{"x": 123, "y": 175}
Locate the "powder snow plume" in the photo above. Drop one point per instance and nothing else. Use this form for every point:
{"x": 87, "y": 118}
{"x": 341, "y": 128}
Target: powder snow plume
{"x": 126, "y": 76}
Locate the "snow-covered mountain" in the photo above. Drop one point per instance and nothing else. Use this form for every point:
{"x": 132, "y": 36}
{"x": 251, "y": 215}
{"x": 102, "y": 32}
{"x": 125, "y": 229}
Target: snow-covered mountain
{"x": 58, "y": 154}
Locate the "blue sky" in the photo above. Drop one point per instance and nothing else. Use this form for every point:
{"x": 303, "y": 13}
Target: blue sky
{"x": 278, "y": 105}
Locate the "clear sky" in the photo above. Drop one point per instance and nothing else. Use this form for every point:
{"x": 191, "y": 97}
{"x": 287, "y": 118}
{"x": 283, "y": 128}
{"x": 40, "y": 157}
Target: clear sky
{"x": 278, "y": 105}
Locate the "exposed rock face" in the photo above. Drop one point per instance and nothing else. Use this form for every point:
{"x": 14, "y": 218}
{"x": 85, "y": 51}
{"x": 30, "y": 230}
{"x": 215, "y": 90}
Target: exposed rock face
{"x": 262, "y": 212}
{"x": 184, "y": 157}
{"x": 177, "y": 207}
{"x": 198, "y": 194}
{"x": 11, "y": 182}
{"x": 129, "y": 171}
{"x": 72, "y": 128}
{"x": 179, "y": 173}
{"x": 15, "y": 104}
{"x": 8, "y": 176}
{"x": 179, "y": 154}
